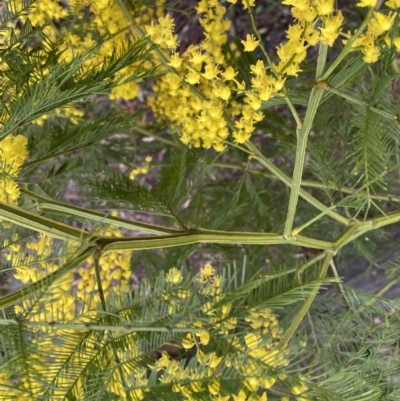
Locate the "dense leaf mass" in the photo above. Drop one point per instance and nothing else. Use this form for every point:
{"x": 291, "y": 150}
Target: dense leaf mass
{"x": 181, "y": 201}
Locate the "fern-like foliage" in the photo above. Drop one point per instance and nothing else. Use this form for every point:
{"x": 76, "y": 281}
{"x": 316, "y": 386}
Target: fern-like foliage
{"x": 166, "y": 198}
{"x": 373, "y": 136}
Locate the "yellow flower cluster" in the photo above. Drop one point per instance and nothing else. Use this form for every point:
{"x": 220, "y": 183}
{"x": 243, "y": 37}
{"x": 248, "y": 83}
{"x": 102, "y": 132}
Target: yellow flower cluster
{"x": 393, "y": 4}
{"x": 115, "y": 269}
{"x": 197, "y": 114}
{"x": 213, "y": 290}
{"x": 248, "y": 355}
{"x": 71, "y": 299}
{"x": 37, "y": 264}
{"x": 303, "y": 33}
{"x": 142, "y": 169}
{"x": 215, "y": 27}
{"x": 13, "y": 153}
{"x": 264, "y": 87}
{"x": 198, "y": 94}
{"x": 112, "y": 25}
{"x": 162, "y": 34}
{"x": 175, "y": 299}
{"x": 378, "y": 25}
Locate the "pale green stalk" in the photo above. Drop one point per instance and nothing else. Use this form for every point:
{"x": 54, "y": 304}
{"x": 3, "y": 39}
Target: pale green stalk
{"x": 356, "y": 192}
{"x": 310, "y": 262}
{"x": 306, "y": 306}
{"x": 314, "y": 184}
{"x": 154, "y": 136}
{"x": 308, "y": 223}
{"x": 385, "y": 288}
{"x": 339, "y": 280}
{"x": 41, "y": 224}
{"x": 182, "y": 237}
{"x": 322, "y": 55}
{"x": 288, "y": 181}
{"x": 347, "y": 236}
{"x": 379, "y": 222}
{"x": 302, "y": 136}
{"x": 360, "y": 102}
{"x": 315, "y": 98}
{"x": 195, "y": 236}
{"x": 45, "y": 204}
{"x": 362, "y": 227}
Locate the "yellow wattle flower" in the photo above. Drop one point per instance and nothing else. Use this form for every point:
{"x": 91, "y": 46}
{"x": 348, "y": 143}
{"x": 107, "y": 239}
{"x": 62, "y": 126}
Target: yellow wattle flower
{"x": 250, "y": 43}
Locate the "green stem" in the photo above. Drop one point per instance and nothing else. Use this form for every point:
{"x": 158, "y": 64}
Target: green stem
{"x": 322, "y": 55}
{"x": 339, "y": 280}
{"x": 97, "y": 270}
{"x": 361, "y": 103}
{"x": 347, "y": 236}
{"x": 362, "y": 227}
{"x": 195, "y": 236}
{"x": 386, "y": 288}
{"x": 306, "y": 306}
{"x": 288, "y": 181}
{"x": 379, "y": 222}
{"x": 315, "y": 98}
{"x": 235, "y": 145}
{"x": 159, "y": 138}
{"x": 41, "y": 224}
{"x": 308, "y": 223}
{"x": 310, "y": 262}
{"x": 59, "y": 230}
{"x": 314, "y": 184}
{"x": 46, "y": 204}
{"x": 357, "y": 192}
